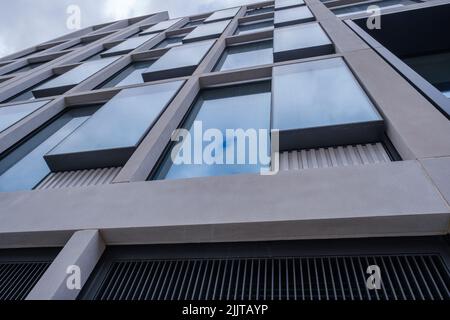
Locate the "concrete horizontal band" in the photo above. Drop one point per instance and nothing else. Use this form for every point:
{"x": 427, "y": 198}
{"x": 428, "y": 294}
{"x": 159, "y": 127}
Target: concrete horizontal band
{"x": 359, "y": 201}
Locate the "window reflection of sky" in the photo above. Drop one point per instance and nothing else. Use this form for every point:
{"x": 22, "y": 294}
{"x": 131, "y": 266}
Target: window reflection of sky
{"x": 319, "y": 93}
{"x": 245, "y": 107}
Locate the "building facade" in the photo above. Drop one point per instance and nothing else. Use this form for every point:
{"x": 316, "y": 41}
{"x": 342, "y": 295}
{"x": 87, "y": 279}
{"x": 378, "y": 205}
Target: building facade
{"x": 355, "y": 102}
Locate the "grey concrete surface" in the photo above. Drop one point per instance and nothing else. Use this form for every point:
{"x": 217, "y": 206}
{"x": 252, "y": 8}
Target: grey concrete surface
{"x": 384, "y": 199}
{"x": 83, "y": 251}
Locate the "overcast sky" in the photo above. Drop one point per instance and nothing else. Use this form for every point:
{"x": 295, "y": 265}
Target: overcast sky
{"x": 25, "y": 23}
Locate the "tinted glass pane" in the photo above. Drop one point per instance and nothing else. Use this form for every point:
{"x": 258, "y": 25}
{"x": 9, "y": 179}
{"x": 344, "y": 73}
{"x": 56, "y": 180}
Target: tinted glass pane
{"x": 244, "y": 107}
{"x": 25, "y": 167}
{"x": 207, "y": 30}
{"x": 182, "y": 56}
{"x": 128, "y": 45}
{"x": 318, "y": 93}
{"x": 248, "y": 55}
{"x": 130, "y": 75}
{"x": 259, "y": 11}
{"x": 27, "y": 95}
{"x": 299, "y": 37}
{"x": 163, "y": 25}
{"x": 362, "y": 8}
{"x": 222, "y": 14}
{"x": 170, "y": 42}
{"x": 287, "y": 3}
{"x": 193, "y": 23}
{"x": 435, "y": 68}
{"x": 27, "y": 67}
{"x": 293, "y": 15}
{"x": 9, "y": 115}
{"x": 78, "y": 74}
{"x": 132, "y": 111}
{"x": 255, "y": 27}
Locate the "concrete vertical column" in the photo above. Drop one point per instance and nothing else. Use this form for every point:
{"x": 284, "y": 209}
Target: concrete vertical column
{"x": 81, "y": 253}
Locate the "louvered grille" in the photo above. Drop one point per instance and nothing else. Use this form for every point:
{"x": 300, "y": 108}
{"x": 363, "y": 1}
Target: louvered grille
{"x": 416, "y": 277}
{"x": 18, "y": 278}
{"x": 341, "y": 156}
{"x": 80, "y": 178}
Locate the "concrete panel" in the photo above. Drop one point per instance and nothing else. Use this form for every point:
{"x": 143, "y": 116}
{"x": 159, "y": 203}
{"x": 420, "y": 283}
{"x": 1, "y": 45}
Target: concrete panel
{"x": 416, "y": 128}
{"x": 384, "y": 199}
{"x": 344, "y": 39}
{"x": 83, "y": 250}
{"x": 439, "y": 171}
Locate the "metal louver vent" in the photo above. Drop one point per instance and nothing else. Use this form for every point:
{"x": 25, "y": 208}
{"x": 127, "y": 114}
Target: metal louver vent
{"x": 341, "y": 156}
{"x": 404, "y": 277}
{"x": 80, "y": 178}
{"x": 18, "y": 278}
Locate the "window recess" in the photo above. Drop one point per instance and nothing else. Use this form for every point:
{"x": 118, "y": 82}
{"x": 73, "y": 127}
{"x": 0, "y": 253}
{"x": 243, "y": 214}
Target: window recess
{"x": 72, "y": 78}
{"x": 292, "y": 16}
{"x": 320, "y": 104}
{"x": 112, "y": 134}
{"x": 178, "y": 61}
{"x": 301, "y": 41}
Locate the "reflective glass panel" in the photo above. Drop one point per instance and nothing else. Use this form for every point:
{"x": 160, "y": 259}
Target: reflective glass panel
{"x": 362, "y": 8}
{"x": 223, "y": 14}
{"x": 279, "y": 4}
{"x": 9, "y": 115}
{"x": 128, "y": 45}
{"x": 247, "y": 55}
{"x": 255, "y": 27}
{"x": 78, "y": 74}
{"x": 121, "y": 122}
{"x": 293, "y": 15}
{"x": 435, "y": 68}
{"x": 299, "y": 36}
{"x": 317, "y": 94}
{"x": 170, "y": 42}
{"x": 238, "y": 107}
{"x": 161, "y": 26}
{"x": 25, "y": 167}
{"x": 128, "y": 76}
{"x": 262, "y": 10}
{"x": 182, "y": 56}
{"x": 207, "y": 30}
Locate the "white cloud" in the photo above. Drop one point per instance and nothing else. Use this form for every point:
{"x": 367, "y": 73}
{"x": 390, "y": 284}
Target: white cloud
{"x": 36, "y": 21}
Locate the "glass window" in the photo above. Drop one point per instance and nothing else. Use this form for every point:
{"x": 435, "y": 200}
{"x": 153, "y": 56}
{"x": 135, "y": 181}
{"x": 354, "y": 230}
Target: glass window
{"x": 291, "y": 16}
{"x": 301, "y": 41}
{"x": 27, "y": 95}
{"x": 129, "y": 75}
{"x": 25, "y": 167}
{"x": 161, "y": 26}
{"x": 27, "y": 67}
{"x": 94, "y": 57}
{"x": 362, "y": 7}
{"x": 262, "y": 10}
{"x": 71, "y": 78}
{"x": 170, "y": 42}
{"x": 282, "y": 4}
{"x": 207, "y": 31}
{"x": 319, "y": 94}
{"x": 193, "y": 23}
{"x": 238, "y": 107}
{"x": 223, "y": 14}
{"x": 178, "y": 61}
{"x": 435, "y": 68}
{"x": 9, "y": 115}
{"x": 253, "y": 27}
{"x": 246, "y": 55}
{"x": 132, "y": 111}
{"x": 127, "y": 46}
